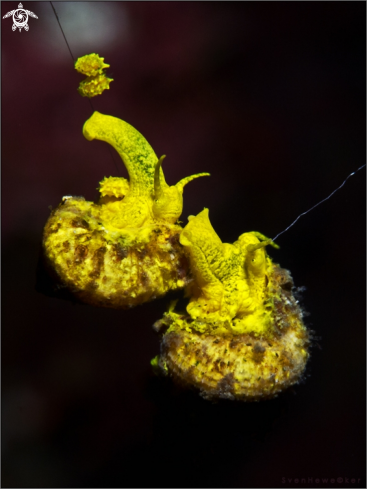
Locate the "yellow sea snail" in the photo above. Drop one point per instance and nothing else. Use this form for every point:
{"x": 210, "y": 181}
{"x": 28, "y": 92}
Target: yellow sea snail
{"x": 242, "y": 336}
{"x": 125, "y": 250}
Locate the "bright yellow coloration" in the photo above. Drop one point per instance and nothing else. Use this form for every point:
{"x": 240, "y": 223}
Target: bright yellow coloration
{"x": 94, "y": 85}
{"x": 97, "y": 81}
{"x": 243, "y": 337}
{"x": 90, "y": 65}
{"x": 229, "y": 278}
{"x": 114, "y": 187}
{"x": 124, "y": 250}
{"x": 149, "y": 199}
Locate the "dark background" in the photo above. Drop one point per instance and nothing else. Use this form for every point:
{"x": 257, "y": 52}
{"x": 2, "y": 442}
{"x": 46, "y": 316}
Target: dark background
{"x": 270, "y": 99}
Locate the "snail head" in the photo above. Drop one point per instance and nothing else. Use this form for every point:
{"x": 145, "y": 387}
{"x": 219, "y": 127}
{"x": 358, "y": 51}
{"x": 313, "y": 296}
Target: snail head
{"x": 253, "y": 246}
{"x": 168, "y": 200}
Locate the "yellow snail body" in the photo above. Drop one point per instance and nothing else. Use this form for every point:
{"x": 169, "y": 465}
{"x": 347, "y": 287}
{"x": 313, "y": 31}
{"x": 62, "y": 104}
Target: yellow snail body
{"x": 124, "y": 250}
{"x": 242, "y": 336}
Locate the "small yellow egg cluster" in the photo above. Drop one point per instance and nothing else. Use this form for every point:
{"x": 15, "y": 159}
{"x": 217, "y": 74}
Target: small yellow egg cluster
{"x": 116, "y": 187}
{"x": 97, "y": 81}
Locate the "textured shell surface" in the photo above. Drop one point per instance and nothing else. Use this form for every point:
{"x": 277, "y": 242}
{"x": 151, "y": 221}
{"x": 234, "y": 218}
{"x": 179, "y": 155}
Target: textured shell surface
{"x": 112, "y": 268}
{"x": 125, "y": 249}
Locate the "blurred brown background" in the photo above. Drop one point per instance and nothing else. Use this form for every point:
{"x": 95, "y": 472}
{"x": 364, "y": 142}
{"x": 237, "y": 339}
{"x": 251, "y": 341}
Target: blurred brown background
{"x": 269, "y": 97}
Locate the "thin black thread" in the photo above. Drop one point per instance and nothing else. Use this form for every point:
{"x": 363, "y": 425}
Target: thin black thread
{"x": 89, "y": 100}
{"x": 57, "y": 18}
{"x": 321, "y": 201}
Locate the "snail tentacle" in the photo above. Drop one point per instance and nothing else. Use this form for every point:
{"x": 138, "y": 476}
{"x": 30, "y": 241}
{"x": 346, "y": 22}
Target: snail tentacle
{"x": 168, "y": 200}
{"x": 139, "y": 159}
{"x": 181, "y": 184}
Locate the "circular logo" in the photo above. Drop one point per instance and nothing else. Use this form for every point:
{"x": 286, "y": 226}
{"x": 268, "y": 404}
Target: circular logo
{"x": 20, "y": 18}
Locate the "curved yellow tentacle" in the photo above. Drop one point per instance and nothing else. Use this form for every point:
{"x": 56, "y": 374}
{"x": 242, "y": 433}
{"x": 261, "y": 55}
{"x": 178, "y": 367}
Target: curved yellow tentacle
{"x": 168, "y": 200}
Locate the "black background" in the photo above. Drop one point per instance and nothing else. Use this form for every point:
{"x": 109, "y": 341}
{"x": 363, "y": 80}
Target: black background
{"x": 270, "y": 99}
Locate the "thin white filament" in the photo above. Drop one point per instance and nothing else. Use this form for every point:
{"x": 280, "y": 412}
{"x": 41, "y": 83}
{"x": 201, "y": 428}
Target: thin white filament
{"x": 321, "y": 201}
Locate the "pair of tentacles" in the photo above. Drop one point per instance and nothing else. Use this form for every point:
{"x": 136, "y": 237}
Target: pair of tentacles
{"x": 124, "y": 250}
{"x": 242, "y": 336}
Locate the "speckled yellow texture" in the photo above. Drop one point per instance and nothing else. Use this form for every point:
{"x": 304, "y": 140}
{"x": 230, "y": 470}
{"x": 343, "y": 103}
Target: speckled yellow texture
{"x": 229, "y": 278}
{"x": 242, "y": 336}
{"x": 91, "y": 65}
{"x": 116, "y": 187}
{"x": 124, "y": 250}
{"x": 97, "y": 81}
{"x": 94, "y": 85}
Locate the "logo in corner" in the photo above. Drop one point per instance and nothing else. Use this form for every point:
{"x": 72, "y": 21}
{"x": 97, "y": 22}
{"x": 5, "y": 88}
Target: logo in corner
{"x": 20, "y": 18}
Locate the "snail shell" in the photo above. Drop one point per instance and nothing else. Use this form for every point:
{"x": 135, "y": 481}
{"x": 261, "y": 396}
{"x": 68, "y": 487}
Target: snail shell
{"x": 246, "y": 341}
{"x": 122, "y": 251}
